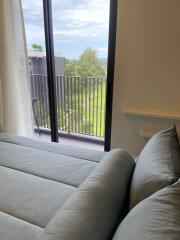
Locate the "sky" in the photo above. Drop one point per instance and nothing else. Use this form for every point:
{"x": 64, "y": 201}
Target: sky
{"x": 77, "y": 25}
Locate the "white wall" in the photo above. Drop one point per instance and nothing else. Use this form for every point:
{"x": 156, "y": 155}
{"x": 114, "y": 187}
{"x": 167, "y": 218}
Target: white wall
{"x": 147, "y": 70}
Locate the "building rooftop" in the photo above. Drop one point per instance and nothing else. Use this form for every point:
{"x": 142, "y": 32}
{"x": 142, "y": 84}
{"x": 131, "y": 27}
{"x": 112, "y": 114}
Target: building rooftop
{"x": 36, "y": 53}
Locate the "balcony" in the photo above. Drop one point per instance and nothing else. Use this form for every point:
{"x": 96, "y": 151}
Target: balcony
{"x": 80, "y": 107}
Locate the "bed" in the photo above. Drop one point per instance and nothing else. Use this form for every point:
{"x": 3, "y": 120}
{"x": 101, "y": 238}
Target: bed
{"x": 38, "y": 179}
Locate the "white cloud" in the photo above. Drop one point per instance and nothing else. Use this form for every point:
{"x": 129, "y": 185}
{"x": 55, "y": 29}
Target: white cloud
{"x": 90, "y": 16}
{"x": 105, "y": 50}
{"x": 35, "y": 34}
{"x": 95, "y": 11}
{"x": 78, "y": 32}
{"x": 78, "y": 19}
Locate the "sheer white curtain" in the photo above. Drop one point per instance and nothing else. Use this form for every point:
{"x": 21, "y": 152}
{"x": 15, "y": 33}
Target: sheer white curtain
{"x": 15, "y": 101}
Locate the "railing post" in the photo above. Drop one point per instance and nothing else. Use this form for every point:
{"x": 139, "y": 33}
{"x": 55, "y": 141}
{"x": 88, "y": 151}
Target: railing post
{"x": 79, "y": 101}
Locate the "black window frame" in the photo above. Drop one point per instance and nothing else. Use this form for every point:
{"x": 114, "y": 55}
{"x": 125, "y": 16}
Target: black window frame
{"x": 110, "y": 72}
{"x": 51, "y": 75}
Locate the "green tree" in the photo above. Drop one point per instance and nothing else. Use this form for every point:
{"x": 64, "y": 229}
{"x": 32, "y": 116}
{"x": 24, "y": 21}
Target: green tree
{"x": 37, "y": 47}
{"x": 70, "y": 67}
{"x": 89, "y": 64}
{"x": 80, "y": 89}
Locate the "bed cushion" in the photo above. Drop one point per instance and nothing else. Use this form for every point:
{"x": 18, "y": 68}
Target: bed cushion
{"x": 31, "y": 198}
{"x": 93, "y": 211}
{"x": 36, "y": 179}
{"x": 157, "y": 217}
{"x": 62, "y": 149}
{"x": 158, "y": 165}
{"x": 48, "y": 160}
{"x": 13, "y": 228}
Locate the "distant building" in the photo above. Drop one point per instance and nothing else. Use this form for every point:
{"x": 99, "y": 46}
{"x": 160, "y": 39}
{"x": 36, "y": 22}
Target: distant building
{"x": 37, "y": 63}
{"x": 38, "y": 75}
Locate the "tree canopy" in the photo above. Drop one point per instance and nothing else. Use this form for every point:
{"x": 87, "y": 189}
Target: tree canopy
{"x": 37, "y": 47}
{"x": 88, "y": 65}
{"x": 70, "y": 67}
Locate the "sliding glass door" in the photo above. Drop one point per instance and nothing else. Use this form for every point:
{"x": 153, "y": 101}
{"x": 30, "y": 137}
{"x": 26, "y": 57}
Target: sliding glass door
{"x": 81, "y": 47}
{"x": 68, "y": 68}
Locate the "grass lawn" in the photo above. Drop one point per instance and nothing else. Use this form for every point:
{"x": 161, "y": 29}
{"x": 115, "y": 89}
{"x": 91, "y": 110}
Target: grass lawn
{"x": 85, "y": 110}
{"x": 80, "y": 110}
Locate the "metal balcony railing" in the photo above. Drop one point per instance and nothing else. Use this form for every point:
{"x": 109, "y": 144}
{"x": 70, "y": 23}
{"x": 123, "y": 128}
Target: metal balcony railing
{"x": 80, "y": 104}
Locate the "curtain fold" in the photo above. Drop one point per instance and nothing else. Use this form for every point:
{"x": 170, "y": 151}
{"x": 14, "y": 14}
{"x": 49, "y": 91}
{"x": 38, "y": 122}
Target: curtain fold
{"x": 15, "y": 101}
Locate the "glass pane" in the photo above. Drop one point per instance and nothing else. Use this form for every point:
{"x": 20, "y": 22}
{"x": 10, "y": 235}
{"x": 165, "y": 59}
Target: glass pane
{"x": 81, "y": 47}
{"x": 35, "y": 37}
